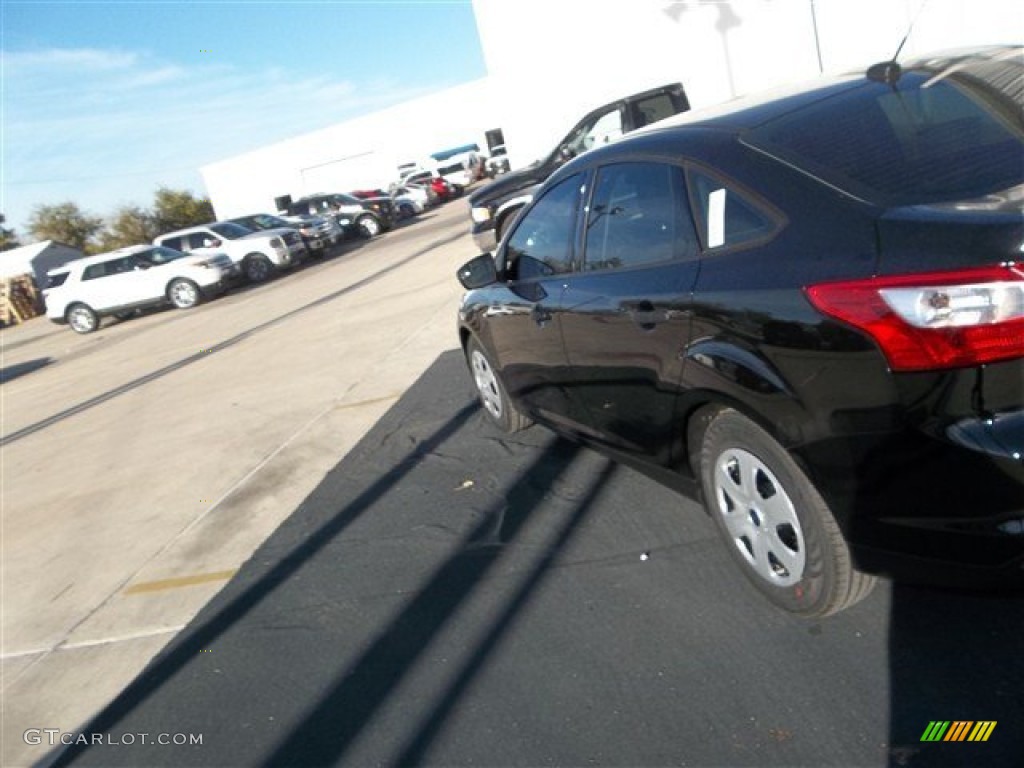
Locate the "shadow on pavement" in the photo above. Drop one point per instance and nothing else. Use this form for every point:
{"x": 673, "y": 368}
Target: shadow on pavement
{"x": 449, "y": 595}
{"x": 12, "y": 372}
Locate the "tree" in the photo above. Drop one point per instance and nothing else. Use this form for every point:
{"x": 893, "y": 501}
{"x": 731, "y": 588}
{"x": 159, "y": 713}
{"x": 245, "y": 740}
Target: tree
{"x": 178, "y": 208}
{"x": 130, "y": 225}
{"x": 66, "y": 223}
{"x": 8, "y": 238}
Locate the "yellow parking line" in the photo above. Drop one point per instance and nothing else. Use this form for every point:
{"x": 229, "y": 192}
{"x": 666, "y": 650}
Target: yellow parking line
{"x": 181, "y": 581}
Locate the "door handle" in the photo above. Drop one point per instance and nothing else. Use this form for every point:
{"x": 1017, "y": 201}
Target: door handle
{"x": 645, "y": 315}
{"x": 540, "y": 315}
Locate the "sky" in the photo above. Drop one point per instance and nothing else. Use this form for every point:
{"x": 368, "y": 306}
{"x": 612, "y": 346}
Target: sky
{"x": 102, "y": 102}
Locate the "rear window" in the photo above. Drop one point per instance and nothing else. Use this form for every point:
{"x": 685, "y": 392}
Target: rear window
{"x": 920, "y": 141}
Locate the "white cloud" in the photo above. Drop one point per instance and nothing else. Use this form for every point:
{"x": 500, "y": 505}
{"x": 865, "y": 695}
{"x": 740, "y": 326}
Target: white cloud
{"x": 104, "y": 128}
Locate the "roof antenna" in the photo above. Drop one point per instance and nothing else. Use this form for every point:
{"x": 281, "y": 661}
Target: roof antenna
{"x": 889, "y": 72}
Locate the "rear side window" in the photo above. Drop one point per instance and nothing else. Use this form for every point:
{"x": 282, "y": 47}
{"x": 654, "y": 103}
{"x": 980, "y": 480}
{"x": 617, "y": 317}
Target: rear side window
{"x": 727, "y": 217}
{"x": 175, "y": 243}
{"x": 541, "y": 244}
{"x": 56, "y": 280}
{"x": 638, "y": 215}
{"x": 919, "y": 141}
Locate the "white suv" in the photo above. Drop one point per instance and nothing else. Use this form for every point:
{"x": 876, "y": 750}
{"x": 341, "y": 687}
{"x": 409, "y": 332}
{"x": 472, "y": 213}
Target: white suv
{"x": 259, "y": 254}
{"x": 117, "y": 283}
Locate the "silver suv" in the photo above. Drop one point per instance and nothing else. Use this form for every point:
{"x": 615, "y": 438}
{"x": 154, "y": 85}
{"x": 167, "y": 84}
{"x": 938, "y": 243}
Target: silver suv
{"x": 259, "y": 254}
{"x": 117, "y": 283}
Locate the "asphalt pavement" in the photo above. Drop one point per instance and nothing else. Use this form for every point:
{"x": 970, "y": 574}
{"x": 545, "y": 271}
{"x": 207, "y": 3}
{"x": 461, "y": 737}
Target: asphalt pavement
{"x": 449, "y": 595}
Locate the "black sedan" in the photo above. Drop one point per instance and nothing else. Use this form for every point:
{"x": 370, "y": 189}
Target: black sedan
{"x": 806, "y": 310}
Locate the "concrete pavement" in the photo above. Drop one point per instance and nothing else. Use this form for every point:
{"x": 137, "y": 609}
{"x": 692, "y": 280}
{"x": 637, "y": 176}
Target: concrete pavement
{"x": 142, "y": 465}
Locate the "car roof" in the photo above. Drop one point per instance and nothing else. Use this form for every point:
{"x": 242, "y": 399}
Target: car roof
{"x": 85, "y": 261}
{"x": 186, "y": 230}
{"x": 753, "y": 110}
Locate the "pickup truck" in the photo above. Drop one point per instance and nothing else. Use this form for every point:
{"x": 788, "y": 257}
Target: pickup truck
{"x": 493, "y": 207}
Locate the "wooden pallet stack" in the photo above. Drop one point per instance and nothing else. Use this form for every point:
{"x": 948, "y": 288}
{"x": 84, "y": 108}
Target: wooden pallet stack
{"x": 19, "y": 299}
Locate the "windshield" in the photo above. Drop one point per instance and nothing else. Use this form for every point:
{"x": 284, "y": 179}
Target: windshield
{"x": 921, "y": 140}
{"x": 229, "y": 230}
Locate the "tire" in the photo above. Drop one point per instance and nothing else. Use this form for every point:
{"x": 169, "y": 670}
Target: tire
{"x": 258, "y": 268}
{"x": 489, "y": 388}
{"x": 776, "y": 525}
{"x": 82, "y": 318}
{"x": 368, "y": 226}
{"x": 406, "y": 211}
{"x": 184, "y": 294}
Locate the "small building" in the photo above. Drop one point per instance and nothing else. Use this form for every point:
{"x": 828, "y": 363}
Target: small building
{"x": 37, "y": 259}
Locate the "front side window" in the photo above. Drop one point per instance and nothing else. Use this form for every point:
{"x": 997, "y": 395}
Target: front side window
{"x": 541, "y": 244}
{"x": 727, "y": 217}
{"x": 638, "y": 215}
{"x": 199, "y": 240}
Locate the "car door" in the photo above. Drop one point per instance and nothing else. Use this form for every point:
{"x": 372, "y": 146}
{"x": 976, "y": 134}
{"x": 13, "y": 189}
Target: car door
{"x": 626, "y": 313}
{"x": 112, "y": 284}
{"x": 523, "y": 321}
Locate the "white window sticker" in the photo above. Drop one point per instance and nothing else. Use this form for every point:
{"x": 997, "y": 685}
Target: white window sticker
{"x": 716, "y": 218}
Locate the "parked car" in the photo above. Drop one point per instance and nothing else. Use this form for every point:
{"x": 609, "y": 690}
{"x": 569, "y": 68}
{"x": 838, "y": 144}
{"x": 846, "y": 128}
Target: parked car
{"x": 330, "y": 229}
{"x": 422, "y": 197}
{"x": 371, "y": 217}
{"x": 259, "y": 254}
{"x": 497, "y": 163}
{"x": 83, "y": 291}
{"x": 311, "y": 238}
{"x": 494, "y": 206}
{"x": 807, "y": 311}
{"x": 404, "y": 205}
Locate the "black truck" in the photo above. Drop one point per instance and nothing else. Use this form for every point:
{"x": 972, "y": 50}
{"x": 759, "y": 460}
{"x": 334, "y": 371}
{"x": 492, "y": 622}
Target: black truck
{"x": 493, "y": 207}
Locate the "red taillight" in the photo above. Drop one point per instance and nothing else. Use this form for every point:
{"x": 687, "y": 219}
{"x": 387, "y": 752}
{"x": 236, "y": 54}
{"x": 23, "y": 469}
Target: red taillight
{"x": 936, "y": 319}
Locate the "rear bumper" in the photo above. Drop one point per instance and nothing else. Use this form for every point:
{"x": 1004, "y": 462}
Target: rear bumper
{"x": 931, "y": 507}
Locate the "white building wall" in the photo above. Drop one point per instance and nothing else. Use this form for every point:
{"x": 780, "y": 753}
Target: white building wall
{"x": 360, "y": 153}
{"x": 551, "y": 62}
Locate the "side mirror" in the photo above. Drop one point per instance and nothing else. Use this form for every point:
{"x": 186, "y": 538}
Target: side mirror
{"x": 478, "y": 272}
{"x": 566, "y": 153}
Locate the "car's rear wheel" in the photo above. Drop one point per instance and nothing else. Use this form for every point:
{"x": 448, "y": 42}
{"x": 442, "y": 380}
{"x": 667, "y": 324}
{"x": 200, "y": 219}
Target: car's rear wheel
{"x": 183, "y": 294}
{"x": 368, "y": 226}
{"x": 492, "y": 392}
{"x": 82, "y": 318}
{"x": 777, "y": 526}
{"x": 258, "y": 268}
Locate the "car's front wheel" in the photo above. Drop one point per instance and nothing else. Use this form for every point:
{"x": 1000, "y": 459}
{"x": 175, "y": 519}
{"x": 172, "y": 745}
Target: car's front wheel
{"x": 368, "y": 226}
{"x": 183, "y": 294}
{"x": 491, "y": 390}
{"x": 776, "y": 524}
{"x": 82, "y": 318}
{"x": 258, "y": 268}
